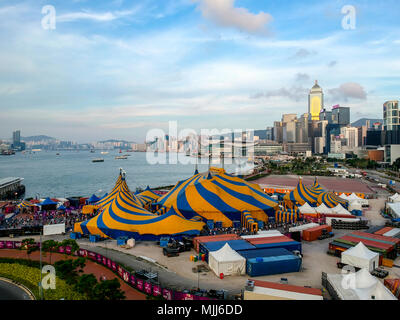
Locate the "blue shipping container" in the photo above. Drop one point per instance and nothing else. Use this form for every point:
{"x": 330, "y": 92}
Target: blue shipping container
{"x": 273, "y": 265}
{"x": 260, "y": 224}
{"x": 236, "y": 245}
{"x": 291, "y": 246}
{"x": 254, "y": 253}
{"x": 218, "y": 224}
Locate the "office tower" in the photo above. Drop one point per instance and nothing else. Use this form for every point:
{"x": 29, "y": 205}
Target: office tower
{"x": 278, "y": 132}
{"x": 17, "y": 137}
{"x": 350, "y": 134}
{"x": 391, "y": 115}
{"x": 341, "y": 115}
{"x": 326, "y": 115}
{"x": 315, "y": 102}
{"x": 270, "y": 134}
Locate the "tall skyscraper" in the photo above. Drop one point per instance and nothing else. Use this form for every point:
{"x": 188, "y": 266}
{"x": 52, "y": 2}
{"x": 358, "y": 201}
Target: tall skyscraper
{"x": 16, "y": 137}
{"x": 391, "y": 116}
{"x": 315, "y": 101}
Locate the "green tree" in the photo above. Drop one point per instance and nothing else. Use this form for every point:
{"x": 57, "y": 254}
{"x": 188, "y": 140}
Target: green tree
{"x": 29, "y": 245}
{"x": 108, "y": 290}
{"x": 86, "y": 285}
{"x": 49, "y": 246}
{"x": 69, "y": 270}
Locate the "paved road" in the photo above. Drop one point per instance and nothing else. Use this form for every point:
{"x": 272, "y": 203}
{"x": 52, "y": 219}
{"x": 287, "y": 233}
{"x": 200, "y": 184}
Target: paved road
{"x": 10, "y": 291}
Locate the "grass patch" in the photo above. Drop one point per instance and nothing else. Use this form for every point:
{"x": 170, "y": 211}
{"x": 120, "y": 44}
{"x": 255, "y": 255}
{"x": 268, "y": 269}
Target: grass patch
{"x": 27, "y": 274}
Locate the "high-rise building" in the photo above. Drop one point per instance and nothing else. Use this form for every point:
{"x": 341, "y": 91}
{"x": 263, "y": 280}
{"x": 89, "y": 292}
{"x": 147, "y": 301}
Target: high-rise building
{"x": 315, "y": 101}
{"x": 340, "y": 115}
{"x": 391, "y": 115}
{"x": 16, "y": 137}
{"x": 351, "y": 136}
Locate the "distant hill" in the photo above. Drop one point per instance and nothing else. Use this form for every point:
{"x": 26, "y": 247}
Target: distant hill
{"x": 37, "y": 138}
{"x": 363, "y": 122}
{"x": 114, "y": 141}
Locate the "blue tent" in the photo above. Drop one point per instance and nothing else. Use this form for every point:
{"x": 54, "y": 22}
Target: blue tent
{"x": 47, "y": 202}
{"x": 61, "y": 207}
{"x": 92, "y": 199}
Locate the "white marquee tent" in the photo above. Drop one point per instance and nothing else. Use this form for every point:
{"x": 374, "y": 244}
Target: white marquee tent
{"x": 395, "y": 208}
{"x": 355, "y": 205}
{"x": 359, "y": 286}
{"x": 227, "y": 261}
{"x": 340, "y": 210}
{"x": 395, "y": 198}
{"x": 361, "y": 257}
{"x": 307, "y": 209}
{"x": 354, "y": 197}
{"x": 344, "y": 196}
{"x": 322, "y": 208}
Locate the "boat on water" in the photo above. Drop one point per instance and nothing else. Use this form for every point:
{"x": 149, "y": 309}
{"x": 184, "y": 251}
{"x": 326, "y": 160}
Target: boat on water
{"x": 121, "y": 157}
{"x": 92, "y": 151}
{"x": 57, "y": 154}
{"x": 98, "y": 160}
{"x": 104, "y": 152}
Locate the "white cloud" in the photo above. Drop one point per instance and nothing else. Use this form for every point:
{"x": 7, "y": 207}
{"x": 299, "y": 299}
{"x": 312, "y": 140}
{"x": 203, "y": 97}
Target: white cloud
{"x": 348, "y": 90}
{"x": 224, "y": 13}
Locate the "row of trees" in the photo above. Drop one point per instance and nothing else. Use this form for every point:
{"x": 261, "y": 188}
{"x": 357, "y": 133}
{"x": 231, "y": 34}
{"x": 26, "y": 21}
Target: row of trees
{"x": 87, "y": 284}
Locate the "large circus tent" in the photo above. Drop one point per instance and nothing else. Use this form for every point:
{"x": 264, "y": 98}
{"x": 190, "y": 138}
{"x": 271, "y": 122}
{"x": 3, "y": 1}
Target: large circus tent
{"x": 218, "y": 196}
{"x": 303, "y": 194}
{"x": 331, "y": 200}
{"x": 121, "y": 215}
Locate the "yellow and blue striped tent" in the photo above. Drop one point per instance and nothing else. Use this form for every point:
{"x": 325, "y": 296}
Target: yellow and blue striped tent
{"x": 317, "y": 187}
{"x": 148, "y": 195}
{"x": 301, "y": 195}
{"x": 287, "y": 215}
{"x": 331, "y": 200}
{"x": 25, "y": 204}
{"x": 219, "y": 197}
{"x": 121, "y": 215}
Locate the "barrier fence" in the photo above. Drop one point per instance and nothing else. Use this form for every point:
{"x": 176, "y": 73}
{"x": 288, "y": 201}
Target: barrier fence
{"x": 144, "y": 286}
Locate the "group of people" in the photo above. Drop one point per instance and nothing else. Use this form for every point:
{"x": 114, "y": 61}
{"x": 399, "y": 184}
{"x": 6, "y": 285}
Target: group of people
{"x": 39, "y": 218}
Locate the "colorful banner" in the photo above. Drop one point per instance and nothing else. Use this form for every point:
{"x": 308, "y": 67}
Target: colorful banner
{"x": 139, "y": 284}
{"x": 109, "y": 263}
{"x": 147, "y": 288}
{"x": 156, "y": 290}
{"x": 92, "y": 255}
{"x": 82, "y": 253}
{"x": 120, "y": 271}
{"x": 126, "y": 276}
{"x": 104, "y": 261}
{"x": 132, "y": 280}
{"x": 61, "y": 249}
{"x": 2, "y": 244}
{"x": 167, "y": 294}
{"x": 68, "y": 250}
{"x": 99, "y": 258}
{"x": 113, "y": 266}
{"x": 18, "y": 244}
{"x": 10, "y": 244}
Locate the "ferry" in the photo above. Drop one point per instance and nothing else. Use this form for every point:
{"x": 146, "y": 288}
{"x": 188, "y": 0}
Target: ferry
{"x": 121, "y": 157}
{"x": 98, "y": 160}
{"x": 104, "y": 152}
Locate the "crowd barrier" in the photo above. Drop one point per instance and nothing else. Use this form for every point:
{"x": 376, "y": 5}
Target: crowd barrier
{"x": 144, "y": 286}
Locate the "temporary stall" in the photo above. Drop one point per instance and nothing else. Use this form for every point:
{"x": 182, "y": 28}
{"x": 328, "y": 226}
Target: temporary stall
{"x": 394, "y": 198}
{"x": 263, "y": 290}
{"x": 355, "y": 205}
{"x": 322, "y": 208}
{"x": 358, "y": 286}
{"x": 340, "y": 210}
{"x": 307, "y": 209}
{"x": 361, "y": 257}
{"x": 227, "y": 261}
{"x": 354, "y": 197}
{"x": 394, "y": 209}
{"x": 264, "y": 266}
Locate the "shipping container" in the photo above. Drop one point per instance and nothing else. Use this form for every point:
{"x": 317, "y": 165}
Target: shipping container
{"x": 394, "y": 286}
{"x": 369, "y": 243}
{"x": 255, "y": 253}
{"x": 273, "y": 265}
{"x": 313, "y": 233}
{"x": 219, "y": 237}
{"x": 236, "y": 245}
{"x": 269, "y": 240}
{"x": 291, "y": 246}
{"x": 374, "y": 237}
{"x": 383, "y": 230}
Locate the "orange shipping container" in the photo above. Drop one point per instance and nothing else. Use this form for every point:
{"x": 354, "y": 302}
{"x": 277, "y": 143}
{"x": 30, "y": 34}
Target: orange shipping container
{"x": 219, "y": 237}
{"x": 313, "y": 233}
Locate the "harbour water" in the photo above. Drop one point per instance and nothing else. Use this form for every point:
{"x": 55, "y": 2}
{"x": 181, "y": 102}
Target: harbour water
{"x": 73, "y": 173}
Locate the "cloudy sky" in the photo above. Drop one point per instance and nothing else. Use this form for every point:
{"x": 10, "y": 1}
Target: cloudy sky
{"x": 118, "y": 68}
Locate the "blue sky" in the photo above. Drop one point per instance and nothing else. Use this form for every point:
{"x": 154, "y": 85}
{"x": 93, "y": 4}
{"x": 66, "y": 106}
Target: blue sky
{"x": 118, "y": 68}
